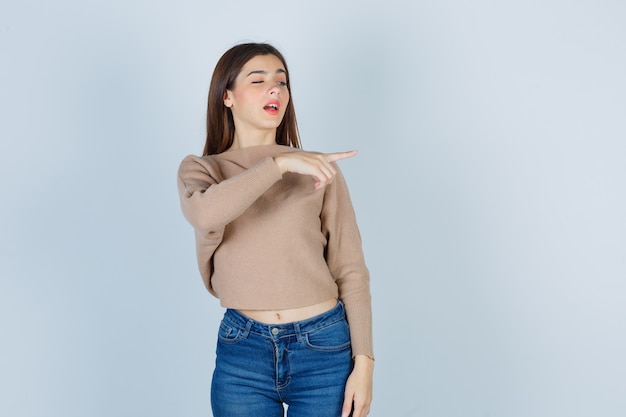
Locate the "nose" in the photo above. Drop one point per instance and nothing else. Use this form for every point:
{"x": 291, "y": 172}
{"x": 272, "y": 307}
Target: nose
{"x": 275, "y": 90}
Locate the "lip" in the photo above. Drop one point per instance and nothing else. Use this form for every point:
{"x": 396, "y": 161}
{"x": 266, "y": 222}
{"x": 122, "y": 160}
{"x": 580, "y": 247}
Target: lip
{"x": 270, "y": 110}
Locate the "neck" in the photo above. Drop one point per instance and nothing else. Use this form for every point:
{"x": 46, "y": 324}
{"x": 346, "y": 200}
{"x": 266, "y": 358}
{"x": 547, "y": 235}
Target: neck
{"x": 253, "y": 138}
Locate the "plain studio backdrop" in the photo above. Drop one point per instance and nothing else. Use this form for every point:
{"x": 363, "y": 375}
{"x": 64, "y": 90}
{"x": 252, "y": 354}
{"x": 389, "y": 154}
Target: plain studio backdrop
{"x": 489, "y": 189}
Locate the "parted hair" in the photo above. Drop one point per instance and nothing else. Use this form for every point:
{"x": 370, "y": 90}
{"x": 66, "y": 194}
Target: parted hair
{"x": 220, "y": 125}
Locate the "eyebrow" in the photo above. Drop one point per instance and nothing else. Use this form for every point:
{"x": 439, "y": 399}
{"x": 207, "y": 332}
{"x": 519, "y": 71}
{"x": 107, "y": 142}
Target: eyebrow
{"x": 262, "y": 72}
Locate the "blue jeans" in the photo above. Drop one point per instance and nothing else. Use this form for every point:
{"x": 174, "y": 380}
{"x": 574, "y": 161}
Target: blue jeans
{"x": 302, "y": 364}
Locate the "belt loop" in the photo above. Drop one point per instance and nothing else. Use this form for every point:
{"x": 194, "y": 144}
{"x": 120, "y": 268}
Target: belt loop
{"x": 246, "y": 331}
{"x": 296, "y": 328}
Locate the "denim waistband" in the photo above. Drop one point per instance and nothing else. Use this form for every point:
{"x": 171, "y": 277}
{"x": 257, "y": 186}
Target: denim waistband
{"x": 248, "y": 325}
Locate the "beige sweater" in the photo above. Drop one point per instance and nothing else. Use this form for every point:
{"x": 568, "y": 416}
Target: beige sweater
{"x": 267, "y": 241}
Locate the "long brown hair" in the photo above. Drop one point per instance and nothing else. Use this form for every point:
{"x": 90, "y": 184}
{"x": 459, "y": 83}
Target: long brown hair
{"x": 220, "y": 127}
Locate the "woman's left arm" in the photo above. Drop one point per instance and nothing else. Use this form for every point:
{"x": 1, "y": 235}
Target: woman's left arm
{"x": 346, "y": 263}
{"x": 358, "y": 395}
{"x": 344, "y": 256}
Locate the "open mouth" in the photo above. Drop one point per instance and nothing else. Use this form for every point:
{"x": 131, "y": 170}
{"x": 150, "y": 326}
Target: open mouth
{"x": 271, "y": 107}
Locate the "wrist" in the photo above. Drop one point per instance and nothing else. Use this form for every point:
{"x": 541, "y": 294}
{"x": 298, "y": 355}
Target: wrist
{"x": 363, "y": 361}
{"x": 280, "y": 163}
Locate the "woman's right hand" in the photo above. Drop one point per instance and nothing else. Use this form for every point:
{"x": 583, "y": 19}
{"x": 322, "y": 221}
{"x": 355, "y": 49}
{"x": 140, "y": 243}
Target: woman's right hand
{"x": 317, "y": 165}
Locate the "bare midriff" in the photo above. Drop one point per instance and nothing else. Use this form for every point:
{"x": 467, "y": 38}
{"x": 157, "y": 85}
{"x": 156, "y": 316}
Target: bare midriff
{"x": 290, "y": 315}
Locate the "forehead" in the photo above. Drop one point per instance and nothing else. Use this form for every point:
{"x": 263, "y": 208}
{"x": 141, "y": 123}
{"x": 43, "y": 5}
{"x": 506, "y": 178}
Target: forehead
{"x": 267, "y": 63}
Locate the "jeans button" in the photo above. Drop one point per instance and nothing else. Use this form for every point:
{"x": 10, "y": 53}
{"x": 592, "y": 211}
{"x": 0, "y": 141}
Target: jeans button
{"x": 274, "y": 331}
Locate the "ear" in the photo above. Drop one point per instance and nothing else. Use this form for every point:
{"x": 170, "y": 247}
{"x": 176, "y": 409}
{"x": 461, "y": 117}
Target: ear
{"x": 228, "y": 100}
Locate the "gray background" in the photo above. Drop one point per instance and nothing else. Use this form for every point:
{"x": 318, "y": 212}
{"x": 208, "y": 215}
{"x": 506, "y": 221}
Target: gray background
{"x": 489, "y": 190}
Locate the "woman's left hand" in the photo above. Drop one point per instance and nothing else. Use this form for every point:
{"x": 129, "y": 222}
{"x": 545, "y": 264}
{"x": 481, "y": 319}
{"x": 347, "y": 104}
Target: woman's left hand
{"x": 359, "y": 388}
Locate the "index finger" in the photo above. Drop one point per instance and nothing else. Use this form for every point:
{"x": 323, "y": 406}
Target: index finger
{"x": 336, "y": 156}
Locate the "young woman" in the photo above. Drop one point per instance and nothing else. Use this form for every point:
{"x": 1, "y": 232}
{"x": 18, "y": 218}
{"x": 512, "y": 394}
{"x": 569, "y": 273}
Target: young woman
{"x": 278, "y": 244}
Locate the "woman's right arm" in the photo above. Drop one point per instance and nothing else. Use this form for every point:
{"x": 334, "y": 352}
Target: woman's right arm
{"x": 209, "y": 203}
{"x": 315, "y": 164}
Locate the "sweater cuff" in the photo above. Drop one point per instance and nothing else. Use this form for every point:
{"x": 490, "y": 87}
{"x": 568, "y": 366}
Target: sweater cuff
{"x": 361, "y": 338}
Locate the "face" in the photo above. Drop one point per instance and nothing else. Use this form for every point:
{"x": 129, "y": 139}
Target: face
{"x": 260, "y": 96}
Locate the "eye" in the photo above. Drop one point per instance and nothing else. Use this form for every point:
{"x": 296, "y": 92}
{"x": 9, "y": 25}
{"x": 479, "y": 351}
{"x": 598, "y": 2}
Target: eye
{"x": 282, "y": 83}
{"x": 257, "y": 81}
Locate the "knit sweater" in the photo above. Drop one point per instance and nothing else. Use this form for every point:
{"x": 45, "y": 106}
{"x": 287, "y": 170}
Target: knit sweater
{"x": 267, "y": 241}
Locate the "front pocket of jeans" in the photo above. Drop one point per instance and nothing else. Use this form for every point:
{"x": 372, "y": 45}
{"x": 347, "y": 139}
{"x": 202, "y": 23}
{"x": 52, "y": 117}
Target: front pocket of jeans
{"x": 228, "y": 334}
{"x": 330, "y": 338}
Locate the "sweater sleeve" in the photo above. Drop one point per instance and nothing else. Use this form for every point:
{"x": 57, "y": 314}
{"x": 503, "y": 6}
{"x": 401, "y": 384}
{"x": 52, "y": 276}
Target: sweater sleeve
{"x": 210, "y": 202}
{"x": 345, "y": 259}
